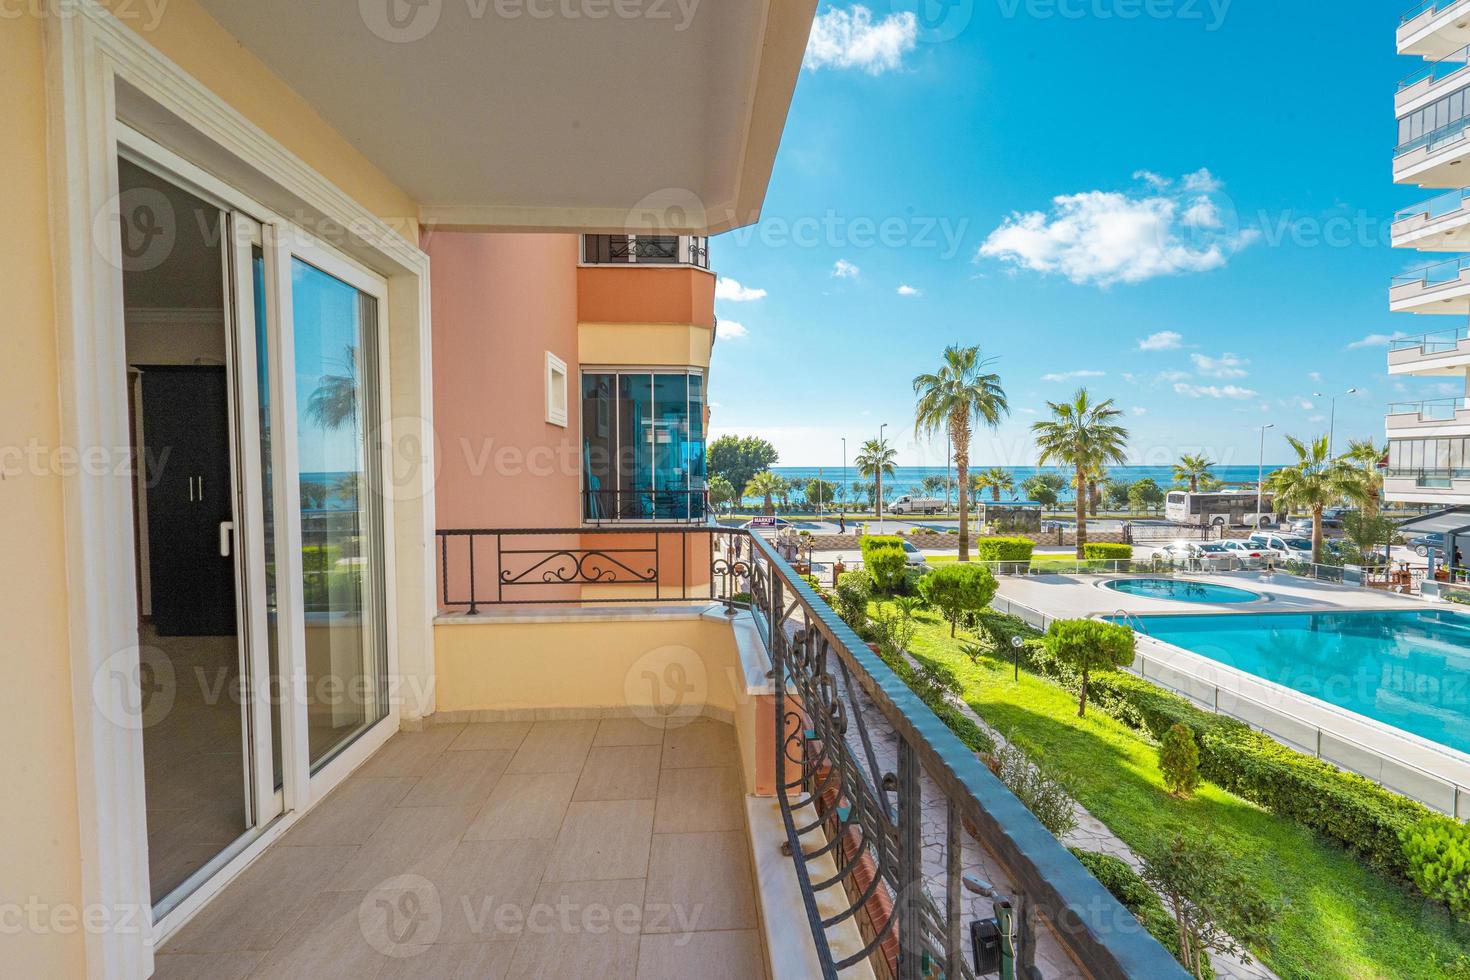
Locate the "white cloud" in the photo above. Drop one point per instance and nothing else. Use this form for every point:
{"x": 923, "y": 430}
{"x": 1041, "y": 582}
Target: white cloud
{"x": 1163, "y": 340}
{"x": 729, "y": 289}
{"x": 1107, "y": 237}
{"x": 907, "y": 290}
{"x": 1317, "y": 418}
{"x": 1214, "y": 391}
{"x": 1138, "y": 410}
{"x": 1304, "y": 405}
{"x": 1156, "y": 181}
{"x": 1173, "y": 375}
{"x": 1378, "y": 340}
{"x": 849, "y": 38}
{"x": 1315, "y": 375}
{"x": 1069, "y": 375}
{"x": 1224, "y": 366}
{"x": 843, "y": 269}
{"x": 732, "y": 330}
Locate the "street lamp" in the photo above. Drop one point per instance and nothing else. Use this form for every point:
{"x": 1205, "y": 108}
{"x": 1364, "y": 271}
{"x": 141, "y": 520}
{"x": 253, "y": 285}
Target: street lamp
{"x": 878, "y": 479}
{"x": 1332, "y": 415}
{"x": 844, "y": 474}
{"x": 1260, "y": 467}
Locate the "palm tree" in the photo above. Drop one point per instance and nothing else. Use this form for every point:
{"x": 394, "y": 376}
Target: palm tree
{"x": 1193, "y": 468}
{"x": 1097, "y": 474}
{"x": 954, "y": 398}
{"x": 1368, "y": 457}
{"x": 995, "y": 479}
{"x": 1081, "y": 433}
{"x": 333, "y": 403}
{"x": 875, "y": 460}
{"x": 765, "y": 485}
{"x": 1315, "y": 481}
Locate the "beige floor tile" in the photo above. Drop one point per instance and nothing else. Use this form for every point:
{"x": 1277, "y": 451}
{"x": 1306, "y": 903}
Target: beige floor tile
{"x": 455, "y": 778}
{"x": 257, "y": 908}
{"x": 620, "y": 772}
{"x": 457, "y": 961}
{"x": 524, "y": 806}
{"x": 350, "y": 813}
{"x": 205, "y": 966}
{"x": 491, "y": 736}
{"x": 702, "y": 743}
{"x": 411, "y": 840}
{"x": 630, "y": 731}
{"x": 694, "y": 801}
{"x": 582, "y": 929}
{"x": 731, "y": 955}
{"x": 409, "y": 753}
{"x": 603, "y": 840}
{"x": 699, "y": 882}
{"x": 330, "y": 941}
{"x": 486, "y": 888}
{"x": 555, "y": 746}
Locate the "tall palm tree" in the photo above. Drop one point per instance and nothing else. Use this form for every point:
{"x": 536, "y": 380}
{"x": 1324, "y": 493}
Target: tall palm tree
{"x": 953, "y": 399}
{"x": 1084, "y": 435}
{"x": 765, "y": 485}
{"x": 1097, "y": 474}
{"x": 875, "y": 461}
{"x": 1193, "y": 468}
{"x": 996, "y": 479}
{"x": 1368, "y": 457}
{"x": 333, "y": 403}
{"x": 1315, "y": 481}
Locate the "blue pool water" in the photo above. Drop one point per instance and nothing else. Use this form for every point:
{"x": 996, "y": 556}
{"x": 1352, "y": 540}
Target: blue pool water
{"x": 1409, "y": 669}
{"x": 1181, "y": 590}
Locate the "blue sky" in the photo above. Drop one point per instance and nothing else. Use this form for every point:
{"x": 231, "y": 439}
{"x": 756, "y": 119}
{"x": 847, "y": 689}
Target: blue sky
{"x": 1225, "y": 175}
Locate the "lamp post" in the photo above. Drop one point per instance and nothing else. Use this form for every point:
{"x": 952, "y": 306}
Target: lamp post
{"x": 878, "y": 479}
{"x": 1260, "y": 468}
{"x": 844, "y": 472}
{"x": 1332, "y": 415}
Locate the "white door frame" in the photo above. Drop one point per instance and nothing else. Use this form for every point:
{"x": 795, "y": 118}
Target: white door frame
{"x": 98, "y": 72}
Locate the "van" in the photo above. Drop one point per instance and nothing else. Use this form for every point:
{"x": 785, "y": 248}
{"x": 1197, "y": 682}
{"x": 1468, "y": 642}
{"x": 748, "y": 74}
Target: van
{"x": 1286, "y": 545}
{"x": 916, "y": 505}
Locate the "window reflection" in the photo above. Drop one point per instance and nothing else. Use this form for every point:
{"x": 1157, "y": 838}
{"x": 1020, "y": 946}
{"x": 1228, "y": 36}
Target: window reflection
{"x": 643, "y": 446}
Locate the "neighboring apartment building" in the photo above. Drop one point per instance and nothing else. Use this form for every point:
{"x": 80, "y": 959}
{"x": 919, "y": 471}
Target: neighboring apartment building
{"x": 353, "y": 425}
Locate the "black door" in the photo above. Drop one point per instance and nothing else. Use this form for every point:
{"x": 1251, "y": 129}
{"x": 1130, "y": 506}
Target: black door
{"x": 186, "y": 441}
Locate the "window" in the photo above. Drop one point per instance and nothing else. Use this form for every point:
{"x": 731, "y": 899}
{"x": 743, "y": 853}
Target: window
{"x": 556, "y": 390}
{"x": 643, "y": 446}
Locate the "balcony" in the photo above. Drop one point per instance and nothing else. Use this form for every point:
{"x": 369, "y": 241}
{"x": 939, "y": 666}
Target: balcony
{"x": 643, "y": 250}
{"x": 1440, "y": 224}
{"x": 1443, "y": 287}
{"x": 1428, "y": 486}
{"x": 1434, "y": 158}
{"x": 1434, "y": 79}
{"x": 1443, "y": 352}
{"x": 1434, "y": 28}
{"x": 1431, "y": 417}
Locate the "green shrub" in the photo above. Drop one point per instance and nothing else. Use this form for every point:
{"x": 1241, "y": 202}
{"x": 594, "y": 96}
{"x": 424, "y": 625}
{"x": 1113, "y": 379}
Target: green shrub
{"x": 933, "y": 683}
{"x": 1047, "y": 798}
{"x": 1179, "y": 760}
{"x": 1108, "y": 551}
{"x": 1437, "y": 850}
{"x": 1089, "y": 645}
{"x": 853, "y": 591}
{"x": 958, "y": 588}
{"x": 1135, "y": 895}
{"x": 1004, "y": 549}
{"x": 883, "y": 557}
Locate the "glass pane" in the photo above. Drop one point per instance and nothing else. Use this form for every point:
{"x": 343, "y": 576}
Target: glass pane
{"x": 599, "y": 444}
{"x": 334, "y": 329}
{"x": 694, "y": 447}
{"x": 263, "y": 395}
{"x": 635, "y": 446}
{"x": 670, "y": 436}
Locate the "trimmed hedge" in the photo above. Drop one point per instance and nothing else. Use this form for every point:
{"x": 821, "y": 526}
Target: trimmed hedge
{"x": 1107, "y": 550}
{"x": 1135, "y": 895}
{"x": 883, "y": 557}
{"x": 1003, "y": 549}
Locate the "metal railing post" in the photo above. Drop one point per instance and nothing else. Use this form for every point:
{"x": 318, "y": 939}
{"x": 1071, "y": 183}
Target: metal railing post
{"x": 910, "y": 865}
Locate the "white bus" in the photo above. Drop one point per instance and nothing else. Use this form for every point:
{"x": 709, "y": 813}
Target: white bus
{"x": 1224, "y": 508}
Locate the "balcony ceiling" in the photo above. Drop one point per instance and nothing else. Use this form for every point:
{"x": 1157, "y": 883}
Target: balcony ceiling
{"x": 493, "y": 115}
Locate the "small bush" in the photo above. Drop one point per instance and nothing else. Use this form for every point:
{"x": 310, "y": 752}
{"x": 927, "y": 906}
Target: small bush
{"x": 1129, "y": 888}
{"x": 1179, "y": 760}
{"x": 883, "y": 557}
{"x": 1004, "y": 549}
{"x": 958, "y": 588}
{"x": 1107, "y": 551}
{"x": 1043, "y": 795}
{"x": 853, "y": 591}
{"x": 1437, "y": 850}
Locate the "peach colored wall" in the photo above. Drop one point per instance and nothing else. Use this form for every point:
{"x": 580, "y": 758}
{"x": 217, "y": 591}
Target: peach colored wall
{"x": 658, "y": 295}
{"x": 501, "y": 301}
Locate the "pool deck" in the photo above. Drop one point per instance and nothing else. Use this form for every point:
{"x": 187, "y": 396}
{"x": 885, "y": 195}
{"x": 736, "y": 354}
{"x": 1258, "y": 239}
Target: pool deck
{"x": 1425, "y": 770}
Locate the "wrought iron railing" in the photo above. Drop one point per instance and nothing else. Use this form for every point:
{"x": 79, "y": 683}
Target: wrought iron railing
{"x": 646, "y": 250}
{"x": 860, "y": 762}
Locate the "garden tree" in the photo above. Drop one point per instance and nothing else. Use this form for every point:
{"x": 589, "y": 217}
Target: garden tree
{"x": 1209, "y": 484}
{"x": 787, "y": 488}
{"x": 953, "y": 399}
{"x": 862, "y": 492}
{"x": 1117, "y": 493}
{"x": 956, "y": 589}
{"x": 1369, "y": 457}
{"x": 875, "y": 461}
{"x": 1367, "y": 530}
{"x": 1089, "y": 645}
{"x": 1084, "y": 435}
{"x": 721, "y": 492}
{"x": 1315, "y": 481}
{"x": 767, "y": 486}
{"x": 1215, "y": 905}
{"x": 313, "y": 495}
{"x": 1044, "y": 488}
{"x": 934, "y": 485}
{"x": 997, "y": 480}
{"x": 1145, "y": 494}
{"x": 820, "y": 493}
{"x": 1179, "y": 760}
{"x": 1192, "y": 468}
{"x": 738, "y": 458}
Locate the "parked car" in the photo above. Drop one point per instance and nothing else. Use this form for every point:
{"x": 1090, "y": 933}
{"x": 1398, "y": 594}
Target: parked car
{"x": 1247, "y": 554}
{"x": 913, "y": 556}
{"x": 916, "y": 505}
{"x": 1285, "y": 545}
{"x": 1332, "y": 516}
{"x": 1423, "y": 543}
{"x": 1197, "y": 554}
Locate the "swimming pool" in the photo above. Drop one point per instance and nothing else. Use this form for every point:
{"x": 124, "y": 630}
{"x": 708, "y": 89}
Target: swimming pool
{"x": 1407, "y": 669}
{"x": 1180, "y": 590}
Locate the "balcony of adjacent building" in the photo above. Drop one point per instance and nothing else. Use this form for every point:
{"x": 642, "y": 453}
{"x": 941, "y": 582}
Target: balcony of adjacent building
{"x": 1439, "y": 224}
{"x": 1434, "y": 134}
{"x": 1427, "y": 469}
{"x": 1430, "y": 417}
{"x": 1433, "y": 28}
{"x": 1441, "y": 352}
{"x": 653, "y": 292}
{"x": 1441, "y": 287}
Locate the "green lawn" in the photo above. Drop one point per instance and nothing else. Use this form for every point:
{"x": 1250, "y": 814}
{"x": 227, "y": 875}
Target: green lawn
{"x": 1341, "y": 919}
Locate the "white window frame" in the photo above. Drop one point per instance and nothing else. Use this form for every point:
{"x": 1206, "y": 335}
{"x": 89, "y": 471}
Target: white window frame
{"x": 557, "y": 384}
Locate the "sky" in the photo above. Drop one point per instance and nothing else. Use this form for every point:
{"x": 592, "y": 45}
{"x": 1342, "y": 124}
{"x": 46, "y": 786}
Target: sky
{"x": 1183, "y": 205}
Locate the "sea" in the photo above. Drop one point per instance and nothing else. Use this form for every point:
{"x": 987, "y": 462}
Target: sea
{"x": 908, "y": 479}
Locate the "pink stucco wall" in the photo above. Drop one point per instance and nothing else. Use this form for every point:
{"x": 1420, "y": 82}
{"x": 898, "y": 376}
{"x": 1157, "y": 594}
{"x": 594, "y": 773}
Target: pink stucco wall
{"x": 500, "y": 302}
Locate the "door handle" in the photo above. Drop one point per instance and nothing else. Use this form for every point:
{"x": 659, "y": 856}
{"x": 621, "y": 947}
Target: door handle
{"x": 226, "y": 532}
{"x": 191, "y": 489}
